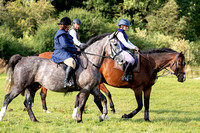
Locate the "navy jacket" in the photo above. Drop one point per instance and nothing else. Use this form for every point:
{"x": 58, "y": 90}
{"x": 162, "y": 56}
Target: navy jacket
{"x": 64, "y": 47}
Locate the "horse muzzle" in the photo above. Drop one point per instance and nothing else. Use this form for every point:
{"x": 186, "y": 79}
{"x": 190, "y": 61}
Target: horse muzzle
{"x": 181, "y": 78}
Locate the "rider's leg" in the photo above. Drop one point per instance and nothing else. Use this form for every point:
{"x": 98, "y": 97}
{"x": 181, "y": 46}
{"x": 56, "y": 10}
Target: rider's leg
{"x": 71, "y": 65}
{"x": 129, "y": 67}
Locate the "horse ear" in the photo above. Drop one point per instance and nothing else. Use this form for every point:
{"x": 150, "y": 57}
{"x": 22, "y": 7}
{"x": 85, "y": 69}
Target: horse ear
{"x": 113, "y": 35}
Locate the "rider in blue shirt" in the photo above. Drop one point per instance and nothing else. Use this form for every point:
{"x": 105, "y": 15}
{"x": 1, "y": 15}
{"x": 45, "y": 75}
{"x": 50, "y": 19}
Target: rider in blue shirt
{"x": 65, "y": 50}
{"x": 126, "y": 45}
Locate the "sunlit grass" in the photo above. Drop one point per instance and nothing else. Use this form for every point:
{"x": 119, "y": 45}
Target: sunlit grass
{"x": 174, "y": 108}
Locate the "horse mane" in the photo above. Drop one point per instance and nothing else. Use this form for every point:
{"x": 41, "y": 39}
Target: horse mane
{"x": 96, "y": 38}
{"x": 160, "y": 50}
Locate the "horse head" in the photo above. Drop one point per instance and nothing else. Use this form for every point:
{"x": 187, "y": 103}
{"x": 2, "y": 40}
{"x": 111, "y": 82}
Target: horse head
{"x": 113, "y": 49}
{"x": 178, "y": 67}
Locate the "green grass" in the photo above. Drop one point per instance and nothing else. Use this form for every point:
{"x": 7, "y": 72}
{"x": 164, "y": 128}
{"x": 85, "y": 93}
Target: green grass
{"x": 174, "y": 108}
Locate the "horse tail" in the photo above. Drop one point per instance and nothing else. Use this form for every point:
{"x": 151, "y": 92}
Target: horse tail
{"x": 10, "y": 70}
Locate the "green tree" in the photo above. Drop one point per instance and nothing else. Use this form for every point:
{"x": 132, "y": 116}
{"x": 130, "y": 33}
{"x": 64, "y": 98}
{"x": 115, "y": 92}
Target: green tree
{"x": 27, "y": 15}
{"x": 166, "y": 20}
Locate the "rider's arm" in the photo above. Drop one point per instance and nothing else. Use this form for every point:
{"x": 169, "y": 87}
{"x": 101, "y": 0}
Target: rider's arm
{"x": 75, "y": 39}
{"x": 128, "y": 44}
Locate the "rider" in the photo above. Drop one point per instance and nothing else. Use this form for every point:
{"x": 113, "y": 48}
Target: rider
{"x": 73, "y": 31}
{"x": 126, "y": 45}
{"x": 65, "y": 50}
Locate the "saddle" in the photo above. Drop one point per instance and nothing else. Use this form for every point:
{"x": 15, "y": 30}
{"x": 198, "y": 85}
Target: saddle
{"x": 136, "y": 66}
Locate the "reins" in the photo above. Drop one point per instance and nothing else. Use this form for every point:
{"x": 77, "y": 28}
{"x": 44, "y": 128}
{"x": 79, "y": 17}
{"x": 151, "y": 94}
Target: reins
{"x": 85, "y": 55}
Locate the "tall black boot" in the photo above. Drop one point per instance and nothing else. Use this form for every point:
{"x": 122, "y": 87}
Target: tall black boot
{"x": 68, "y": 74}
{"x": 126, "y": 76}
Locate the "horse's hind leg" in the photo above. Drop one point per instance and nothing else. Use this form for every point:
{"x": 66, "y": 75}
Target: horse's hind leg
{"x": 43, "y": 95}
{"x": 108, "y": 94}
{"x": 97, "y": 94}
{"x": 8, "y": 98}
{"x": 30, "y": 94}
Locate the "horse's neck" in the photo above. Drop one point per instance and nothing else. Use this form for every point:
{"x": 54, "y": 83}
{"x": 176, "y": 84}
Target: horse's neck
{"x": 162, "y": 60}
{"x": 96, "y": 48}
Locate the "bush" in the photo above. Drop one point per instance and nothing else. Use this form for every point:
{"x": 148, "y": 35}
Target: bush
{"x": 10, "y": 45}
{"x": 44, "y": 38}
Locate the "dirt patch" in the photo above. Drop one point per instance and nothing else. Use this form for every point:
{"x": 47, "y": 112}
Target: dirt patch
{"x": 3, "y": 66}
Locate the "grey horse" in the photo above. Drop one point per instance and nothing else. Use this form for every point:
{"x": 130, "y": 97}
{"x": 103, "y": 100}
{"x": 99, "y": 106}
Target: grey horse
{"x": 31, "y": 72}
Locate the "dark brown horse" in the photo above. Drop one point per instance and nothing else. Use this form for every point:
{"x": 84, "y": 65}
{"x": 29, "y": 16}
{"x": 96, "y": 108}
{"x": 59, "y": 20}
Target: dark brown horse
{"x": 151, "y": 63}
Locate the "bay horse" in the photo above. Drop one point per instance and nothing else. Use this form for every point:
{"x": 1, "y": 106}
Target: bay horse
{"x": 31, "y": 72}
{"x": 152, "y": 62}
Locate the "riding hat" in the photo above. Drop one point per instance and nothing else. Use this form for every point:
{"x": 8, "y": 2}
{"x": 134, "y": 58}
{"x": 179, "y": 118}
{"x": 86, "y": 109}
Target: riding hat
{"x": 77, "y": 21}
{"x": 65, "y": 21}
{"x": 123, "y": 22}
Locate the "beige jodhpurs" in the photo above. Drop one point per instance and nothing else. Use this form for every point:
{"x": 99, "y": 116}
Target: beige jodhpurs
{"x": 70, "y": 62}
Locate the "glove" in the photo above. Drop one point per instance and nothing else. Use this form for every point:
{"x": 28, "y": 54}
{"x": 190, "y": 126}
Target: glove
{"x": 83, "y": 46}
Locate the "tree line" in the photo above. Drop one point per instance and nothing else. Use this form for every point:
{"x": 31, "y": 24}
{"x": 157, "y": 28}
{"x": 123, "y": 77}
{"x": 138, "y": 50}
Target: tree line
{"x": 28, "y": 26}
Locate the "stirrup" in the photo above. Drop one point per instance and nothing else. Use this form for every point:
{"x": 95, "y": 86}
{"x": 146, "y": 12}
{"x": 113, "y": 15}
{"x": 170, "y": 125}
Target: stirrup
{"x": 68, "y": 84}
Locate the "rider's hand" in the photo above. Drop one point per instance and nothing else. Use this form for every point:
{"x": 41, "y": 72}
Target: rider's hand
{"x": 78, "y": 51}
{"x": 136, "y": 49}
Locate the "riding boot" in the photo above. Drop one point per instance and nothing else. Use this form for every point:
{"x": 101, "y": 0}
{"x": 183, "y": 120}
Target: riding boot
{"x": 68, "y": 73}
{"x": 127, "y": 76}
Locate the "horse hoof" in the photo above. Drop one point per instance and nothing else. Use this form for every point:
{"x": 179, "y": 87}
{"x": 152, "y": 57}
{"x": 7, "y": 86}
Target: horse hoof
{"x": 147, "y": 120}
{"x": 100, "y": 119}
{"x": 106, "y": 117}
{"x": 79, "y": 121}
{"x": 125, "y": 116}
{"x": 112, "y": 111}
{"x": 74, "y": 117}
{"x": 35, "y": 121}
{"x": 46, "y": 111}
{"x": 1, "y": 118}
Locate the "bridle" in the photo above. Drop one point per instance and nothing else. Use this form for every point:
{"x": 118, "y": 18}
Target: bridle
{"x": 176, "y": 72}
{"x": 113, "y": 53}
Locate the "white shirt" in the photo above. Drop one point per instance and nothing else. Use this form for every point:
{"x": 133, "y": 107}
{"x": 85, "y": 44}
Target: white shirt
{"x": 127, "y": 44}
{"x": 73, "y": 33}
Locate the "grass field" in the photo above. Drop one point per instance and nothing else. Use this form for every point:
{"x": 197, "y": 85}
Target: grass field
{"x": 174, "y": 108}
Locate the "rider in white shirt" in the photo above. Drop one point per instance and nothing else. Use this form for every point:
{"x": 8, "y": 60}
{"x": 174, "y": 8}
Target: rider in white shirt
{"x": 126, "y": 45}
{"x": 74, "y": 33}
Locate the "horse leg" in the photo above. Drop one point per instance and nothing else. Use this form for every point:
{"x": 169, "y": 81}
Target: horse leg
{"x": 98, "y": 95}
{"x": 8, "y": 98}
{"x": 43, "y": 95}
{"x": 146, "y": 103}
{"x": 30, "y": 94}
{"x": 75, "y": 111}
{"x": 108, "y": 94}
{"x": 83, "y": 96}
{"x": 138, "y": 95}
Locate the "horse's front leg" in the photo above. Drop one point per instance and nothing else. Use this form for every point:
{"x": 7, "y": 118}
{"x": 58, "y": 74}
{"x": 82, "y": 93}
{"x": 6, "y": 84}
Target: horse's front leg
{"x": 146, "y": 103}
{"x": 138, "y": 95}
{"x": 98, "y": 97}
{"x": 43, "y": 95}
{"x": 83, "y": 96}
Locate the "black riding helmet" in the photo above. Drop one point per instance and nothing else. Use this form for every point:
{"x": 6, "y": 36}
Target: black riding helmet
{"x": 65, "y": 21}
